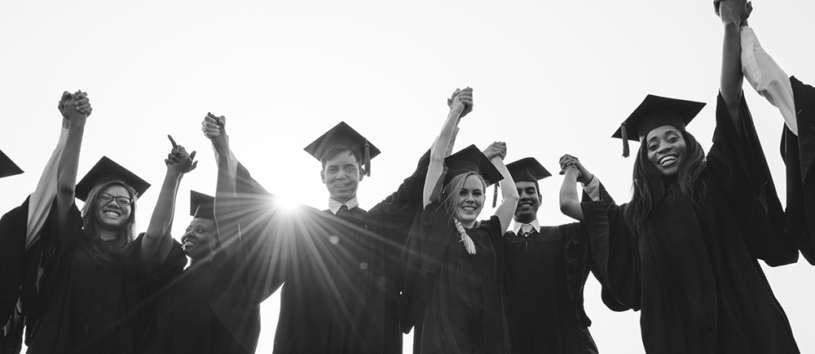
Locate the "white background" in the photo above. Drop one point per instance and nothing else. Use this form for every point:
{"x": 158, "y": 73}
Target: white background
{"x": 549, "y": 78}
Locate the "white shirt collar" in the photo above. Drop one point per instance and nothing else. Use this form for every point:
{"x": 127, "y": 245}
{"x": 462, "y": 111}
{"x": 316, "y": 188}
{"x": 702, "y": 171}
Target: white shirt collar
{"x": 334, "y": 205}
{"x": 516, "y": 226}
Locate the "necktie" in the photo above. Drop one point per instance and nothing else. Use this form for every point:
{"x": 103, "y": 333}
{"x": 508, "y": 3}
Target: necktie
{"x": 526, "y": 229}
{"x": 343, "y": 212}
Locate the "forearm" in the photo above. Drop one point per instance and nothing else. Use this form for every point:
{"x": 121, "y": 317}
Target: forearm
{"x": 509, "y": 193}
{"x": 163, "y": 213}
{"x": 569, "y": 201}
{"x": 67, "y": 168}
{"x": 43, "y": 196}
{"x": 731, "y": 79}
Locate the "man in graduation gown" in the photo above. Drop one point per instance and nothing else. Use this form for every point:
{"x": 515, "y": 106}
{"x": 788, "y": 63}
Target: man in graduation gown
{"x": 796, "y": 101}
{"x": 340, "y": 266}
{"x": 546, "y": 270}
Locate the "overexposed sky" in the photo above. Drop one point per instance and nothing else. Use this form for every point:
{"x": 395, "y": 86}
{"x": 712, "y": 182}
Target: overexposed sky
{"x": 549, "y": 78}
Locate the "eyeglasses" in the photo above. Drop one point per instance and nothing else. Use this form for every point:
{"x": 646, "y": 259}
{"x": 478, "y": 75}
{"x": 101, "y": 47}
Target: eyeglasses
{"x": 106, "y": 198}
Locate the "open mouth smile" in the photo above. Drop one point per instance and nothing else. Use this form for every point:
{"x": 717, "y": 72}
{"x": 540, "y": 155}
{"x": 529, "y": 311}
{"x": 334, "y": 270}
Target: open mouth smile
{"x": 668, "y": 160}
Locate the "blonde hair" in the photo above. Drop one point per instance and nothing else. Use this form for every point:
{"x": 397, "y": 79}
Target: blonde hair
{"x": 449, "y": 195}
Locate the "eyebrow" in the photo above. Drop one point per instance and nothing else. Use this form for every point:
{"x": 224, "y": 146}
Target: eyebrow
{"x": 666, "y": 133}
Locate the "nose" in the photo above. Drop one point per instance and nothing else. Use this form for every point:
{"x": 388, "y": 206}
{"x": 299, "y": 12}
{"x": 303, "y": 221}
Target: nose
{"x": 664, "y": 148}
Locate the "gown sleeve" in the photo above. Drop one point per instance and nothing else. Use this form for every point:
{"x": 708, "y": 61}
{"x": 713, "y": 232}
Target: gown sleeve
{"x": 12, "y": 270}
{"x": 429, "y": 238}
{"x": 798, "y": 152}
{"x": 739, "y": 170}
{"x": 395, "y": 215}
{"x": 613, "y": 251}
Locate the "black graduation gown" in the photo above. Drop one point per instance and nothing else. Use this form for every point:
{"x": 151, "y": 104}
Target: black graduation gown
{"x": 81, "y": 305}
{"x": 184, "y": 320}
{"x": 13, "y": 258}
{"x": 457, "y": 303}
{"x": 545, "y": 275}
{"x": 341, "y": 273}
{"x": 693, "y": 270}
{"x": 799, "y": 156}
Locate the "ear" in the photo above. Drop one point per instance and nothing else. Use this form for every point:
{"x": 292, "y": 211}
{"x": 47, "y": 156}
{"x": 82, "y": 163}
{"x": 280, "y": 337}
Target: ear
{"x": 322, "y": 175}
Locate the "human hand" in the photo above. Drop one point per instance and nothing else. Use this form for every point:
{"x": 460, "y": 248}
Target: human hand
{"x": 214, "y": 128}
{"x": 461, "y": 100}
{"x": 74, "y": 106}
{"x": 496, "y": 149}
{"x": 733, "y": 11}
{"x": 179, "y": 160}
{"x": 568, "y": 160}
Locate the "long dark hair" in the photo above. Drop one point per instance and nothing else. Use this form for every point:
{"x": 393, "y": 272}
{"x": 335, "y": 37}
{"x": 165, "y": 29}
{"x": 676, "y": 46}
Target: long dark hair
{"x": 104, "y": 252}
{"x": 649, "y": 185}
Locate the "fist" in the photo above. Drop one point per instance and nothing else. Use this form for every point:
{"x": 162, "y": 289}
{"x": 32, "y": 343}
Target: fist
{"x": 213, "y": 126}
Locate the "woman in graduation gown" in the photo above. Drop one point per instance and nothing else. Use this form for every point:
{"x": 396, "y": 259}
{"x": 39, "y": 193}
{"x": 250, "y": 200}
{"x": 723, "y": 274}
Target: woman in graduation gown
{"x": 341, "y": 267}
{"x": 454, "y": 296}
{"x": 685, "y": 250}
{"x": 84, "y": 296}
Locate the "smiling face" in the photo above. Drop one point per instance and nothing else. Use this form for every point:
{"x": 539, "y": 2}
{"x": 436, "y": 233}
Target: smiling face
{"x": 470, "y": 200}
{"x": 341, "y": 176}
{"x": 527, "y": 210}
{"x": 198, "y": 240}
{"x": 666, "y": 149}
{"x": 110, "y": 215}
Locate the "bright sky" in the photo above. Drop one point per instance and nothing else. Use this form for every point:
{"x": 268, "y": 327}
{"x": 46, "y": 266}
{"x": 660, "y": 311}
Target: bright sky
{"x": 549, "y": 78}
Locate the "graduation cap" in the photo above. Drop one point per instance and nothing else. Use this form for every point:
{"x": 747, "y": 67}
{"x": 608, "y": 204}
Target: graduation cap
{"x": 654, "y": 112}
{"x": 343, "y": 135}
{"x": 107, "y": 170}
{"x": 8, "y": 167}
{"x": 470, "y": 159}
{"x": 202, "y": 205}
{"x": 527, "y": 170}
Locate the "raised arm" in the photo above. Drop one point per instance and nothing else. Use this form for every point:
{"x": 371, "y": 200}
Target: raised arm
{"x": 158, "y": 238}
{"x": 509, "y": 194}
{"x": 733, "y": 13}
{"x": 75, "y": 110}
{"x": 460, "y": 104}
{"x": 569, "y": 200}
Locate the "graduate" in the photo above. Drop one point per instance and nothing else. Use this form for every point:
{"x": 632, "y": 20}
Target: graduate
{"x": 453, "y": 293}
{"x": 796, "y": 102}
{"x": 82, "y": 291}
{"x": 341, "y": 266}
{"x": 20, "y": 228}
{"x": 185, "y": 321}
{"x": 546, "y": 269}
{"x": 684, "y": 251}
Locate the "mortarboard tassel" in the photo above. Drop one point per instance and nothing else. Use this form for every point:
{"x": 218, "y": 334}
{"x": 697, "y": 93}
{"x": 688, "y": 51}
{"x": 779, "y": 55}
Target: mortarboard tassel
{"x": 366, "y": 159}
{"x": 624, "y": 133}
{"x": 495, "y": 195}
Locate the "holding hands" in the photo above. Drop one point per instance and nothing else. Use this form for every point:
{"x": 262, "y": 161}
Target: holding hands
{"x": 733, "y": 11}
{"x": 178, "y": 160}
{"x": 568, "y": 161}
{"x": 462, "y": 101}
{"x": 74, "y": 105}
{"x": 496, "y": 149}
{"x": 214, "y": 128}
